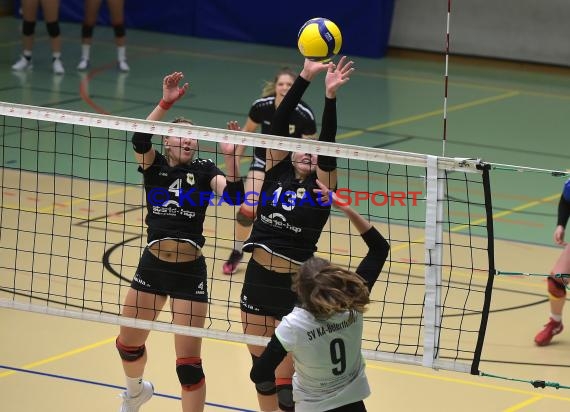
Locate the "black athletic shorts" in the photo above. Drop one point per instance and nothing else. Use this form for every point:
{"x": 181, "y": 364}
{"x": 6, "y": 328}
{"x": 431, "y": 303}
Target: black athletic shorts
{"x": 353, "y": 407}
{"x": 180, "y": 280}
{"x": 257, "y": 163}
{"x": 266, "y": 293}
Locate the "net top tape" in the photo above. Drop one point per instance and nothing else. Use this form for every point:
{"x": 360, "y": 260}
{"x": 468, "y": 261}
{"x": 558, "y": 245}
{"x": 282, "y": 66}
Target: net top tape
{"x": 339, "y": 150}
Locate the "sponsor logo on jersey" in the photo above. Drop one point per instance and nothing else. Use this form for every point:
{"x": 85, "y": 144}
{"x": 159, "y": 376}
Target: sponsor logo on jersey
{"x": 278, "y": 221}
{"x": 138, "y": 279}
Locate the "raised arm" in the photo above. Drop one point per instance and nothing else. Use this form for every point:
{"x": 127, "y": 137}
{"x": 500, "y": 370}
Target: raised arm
{"x": 378, "y": 247}
{"x": 250, "y": 127}
{"x": 171, "y": 91}
{"x": 280, "y": 121}
{"x": 230, "y": 185}
{"x": 337, "y": 75}
{"x": 232, "y": 156}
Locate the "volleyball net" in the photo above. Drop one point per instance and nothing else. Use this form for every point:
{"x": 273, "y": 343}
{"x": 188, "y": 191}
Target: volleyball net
{"x": 72, "y": 231}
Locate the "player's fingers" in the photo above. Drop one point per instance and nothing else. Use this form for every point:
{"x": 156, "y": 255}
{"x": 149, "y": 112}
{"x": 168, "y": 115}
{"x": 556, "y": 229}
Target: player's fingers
{"x": 321, "y": 185}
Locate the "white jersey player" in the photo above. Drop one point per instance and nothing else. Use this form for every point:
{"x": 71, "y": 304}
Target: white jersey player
{"x": 324, "y": 333}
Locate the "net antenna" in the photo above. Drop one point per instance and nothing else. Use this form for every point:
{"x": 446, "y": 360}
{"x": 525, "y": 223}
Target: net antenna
{"x": 72, "y": 201}
{"x": 446, "y": 78}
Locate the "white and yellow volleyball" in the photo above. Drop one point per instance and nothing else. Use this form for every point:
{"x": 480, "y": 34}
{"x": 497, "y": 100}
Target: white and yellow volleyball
{"x": 319, "y": 39}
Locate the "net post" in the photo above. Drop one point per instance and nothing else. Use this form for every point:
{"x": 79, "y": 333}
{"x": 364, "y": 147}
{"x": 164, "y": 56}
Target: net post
{"x": 433, "y": 260}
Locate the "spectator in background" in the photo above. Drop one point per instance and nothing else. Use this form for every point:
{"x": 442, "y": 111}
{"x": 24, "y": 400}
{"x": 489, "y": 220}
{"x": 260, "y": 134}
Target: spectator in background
{"x": 116, "y": 10}
{"x": 50, "y": 10}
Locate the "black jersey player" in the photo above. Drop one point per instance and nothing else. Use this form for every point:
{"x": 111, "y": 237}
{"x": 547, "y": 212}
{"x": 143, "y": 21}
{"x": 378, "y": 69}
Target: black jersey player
{"x": 289, "y": 221}
{"x": 301, "y": 123}
{"x": 178, "y": 188}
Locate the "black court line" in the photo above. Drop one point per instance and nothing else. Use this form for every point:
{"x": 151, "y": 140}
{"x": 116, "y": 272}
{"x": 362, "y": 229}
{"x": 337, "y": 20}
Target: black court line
{"x": 109, "y": 385}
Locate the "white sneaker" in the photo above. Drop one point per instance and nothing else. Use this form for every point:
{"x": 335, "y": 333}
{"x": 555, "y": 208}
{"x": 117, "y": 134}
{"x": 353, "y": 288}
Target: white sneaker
{"x": 22, "y": 64}
{"x": 58, "y": 67}
{"x": 83, "y": 65}
{"x": 123, "y": 66}
{"x": 133, "y": 404}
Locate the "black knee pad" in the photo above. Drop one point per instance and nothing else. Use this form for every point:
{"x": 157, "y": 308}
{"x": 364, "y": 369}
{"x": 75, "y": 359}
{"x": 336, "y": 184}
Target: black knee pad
{"x": 119, "y": 30}
{"x": 53, "y": 28}
{"x": 264, "y": 388}
{"x": 285, "y": 397}
{"x": 87, "y": 31}
{"x": 129, "y": 353}
{"x": 556, "y": 287}
{"x": 190, "y": 373}
{"x": 244, "y": 219}
{"x": 28, "y": 28}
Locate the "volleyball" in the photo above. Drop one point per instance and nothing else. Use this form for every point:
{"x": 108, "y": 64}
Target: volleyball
{"x": 319, "y": 39}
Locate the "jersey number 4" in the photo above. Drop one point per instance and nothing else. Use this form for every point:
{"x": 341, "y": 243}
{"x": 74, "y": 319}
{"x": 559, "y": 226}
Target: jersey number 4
{"x": 338, "y": 356}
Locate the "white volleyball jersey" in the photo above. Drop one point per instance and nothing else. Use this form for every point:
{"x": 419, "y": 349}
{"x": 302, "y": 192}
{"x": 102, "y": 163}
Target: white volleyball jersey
{"x": 329, "y": 367}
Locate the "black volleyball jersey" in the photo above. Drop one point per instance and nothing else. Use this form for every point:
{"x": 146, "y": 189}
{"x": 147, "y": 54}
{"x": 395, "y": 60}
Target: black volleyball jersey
{"x": 177, "y": 198}
{"x": 302, "y": 120}
{"x": 290, "y": 216}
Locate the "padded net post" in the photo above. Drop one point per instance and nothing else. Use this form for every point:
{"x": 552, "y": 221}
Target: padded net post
{"x": 433, "y": 259}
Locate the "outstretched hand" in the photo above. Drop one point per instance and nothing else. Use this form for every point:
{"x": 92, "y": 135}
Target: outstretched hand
{"x": 328, "y": 197}
{"x": 337, "y": 75}
{"x": 171, "y": 91}
{"x": 312, "y": 68}
{"x": 230, "y": 149}
{"x": 233, "y": 125}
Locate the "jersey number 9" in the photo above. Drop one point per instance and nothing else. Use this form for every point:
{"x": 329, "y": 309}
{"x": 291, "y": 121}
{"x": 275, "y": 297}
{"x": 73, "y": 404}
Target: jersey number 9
{"x": 338, "y": 356}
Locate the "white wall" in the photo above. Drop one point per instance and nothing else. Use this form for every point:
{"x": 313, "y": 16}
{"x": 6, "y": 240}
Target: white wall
{"x": 525, "y": 30}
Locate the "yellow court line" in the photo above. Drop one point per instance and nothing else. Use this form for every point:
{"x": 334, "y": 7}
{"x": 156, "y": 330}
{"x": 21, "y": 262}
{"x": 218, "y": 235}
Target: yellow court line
{"x": 369, "y": 365}
{"x": 373, "y": 365}
{"x": 61, "y": 356}
{"x": 465, "y": 84}
{"x": 510, "y": 211}
{"x": 426, "y": 115}
{"x": 524, "y": 404}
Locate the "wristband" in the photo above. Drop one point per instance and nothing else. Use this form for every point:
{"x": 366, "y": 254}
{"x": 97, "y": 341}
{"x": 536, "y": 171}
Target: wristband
{"x": 165, "y": 105}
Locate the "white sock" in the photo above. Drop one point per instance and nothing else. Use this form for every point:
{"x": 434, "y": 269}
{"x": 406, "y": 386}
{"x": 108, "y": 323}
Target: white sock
{"x": 121, "y": 53}
{"x": 27, "y": 54}
{"x": 134, "y": 386}
{"x": 85, "y": 51}
{"x": 238, "y": 244}
{"x": 556, "y": 318}
{"x": 56, "y": 55}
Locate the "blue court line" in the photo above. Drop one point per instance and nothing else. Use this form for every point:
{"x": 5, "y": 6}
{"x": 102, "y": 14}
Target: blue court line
{"x": 108, "y": 385}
